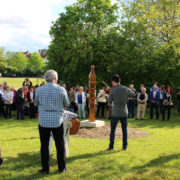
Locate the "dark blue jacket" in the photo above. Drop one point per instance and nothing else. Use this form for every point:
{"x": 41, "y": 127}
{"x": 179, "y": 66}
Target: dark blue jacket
{"x": 156, "y": 97}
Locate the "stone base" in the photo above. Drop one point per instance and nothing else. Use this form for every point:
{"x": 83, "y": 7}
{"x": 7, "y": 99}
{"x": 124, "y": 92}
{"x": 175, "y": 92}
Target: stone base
{"x": 87, "y": 123}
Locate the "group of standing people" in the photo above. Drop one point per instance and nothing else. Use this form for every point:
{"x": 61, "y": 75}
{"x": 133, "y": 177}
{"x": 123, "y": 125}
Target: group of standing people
{"x": 19, "y": 102}
{"x": 160, "y": 99}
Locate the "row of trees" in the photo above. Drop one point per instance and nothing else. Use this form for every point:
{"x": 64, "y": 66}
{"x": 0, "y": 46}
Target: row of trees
{"x": 11, "y": 62}
{"x": 139, "y": 39}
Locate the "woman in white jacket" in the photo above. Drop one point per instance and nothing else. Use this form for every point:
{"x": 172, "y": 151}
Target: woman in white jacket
{"x": 81, "y": 102}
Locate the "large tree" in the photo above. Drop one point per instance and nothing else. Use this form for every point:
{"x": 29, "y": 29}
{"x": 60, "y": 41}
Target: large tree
{"x": 77, "y": 37}
{"x": 155, "y": 27}
{"x": 36, "y": 63}
{"x": 128, "y": 39}
{"x": 18, "y": 62}
{"x": 3, "y": 60}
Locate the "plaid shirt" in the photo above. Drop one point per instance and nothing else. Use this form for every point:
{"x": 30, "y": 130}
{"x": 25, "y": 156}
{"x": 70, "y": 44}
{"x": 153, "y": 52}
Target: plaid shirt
{"x": 51, "y": 100}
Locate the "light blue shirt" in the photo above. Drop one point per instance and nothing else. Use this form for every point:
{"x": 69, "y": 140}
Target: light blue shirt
{"x": 51, "y": 100}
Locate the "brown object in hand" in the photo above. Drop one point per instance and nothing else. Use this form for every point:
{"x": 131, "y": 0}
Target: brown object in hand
{"x": 75, "y": 126}
{"x": 92, "y": 93}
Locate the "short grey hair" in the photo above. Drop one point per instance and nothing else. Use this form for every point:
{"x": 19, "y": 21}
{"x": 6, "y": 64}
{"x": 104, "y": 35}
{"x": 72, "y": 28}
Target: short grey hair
{"x": 50, "y": 75}
{"x": 143, "y": 89}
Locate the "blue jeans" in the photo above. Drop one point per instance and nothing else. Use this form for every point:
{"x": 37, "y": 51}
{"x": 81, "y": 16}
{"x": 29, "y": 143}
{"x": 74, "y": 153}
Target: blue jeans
{"x": 178, "y": 105}
{"x": 131, "y": 108}
{"x": 124, "y": 123}
{"x": 81, "y": 110}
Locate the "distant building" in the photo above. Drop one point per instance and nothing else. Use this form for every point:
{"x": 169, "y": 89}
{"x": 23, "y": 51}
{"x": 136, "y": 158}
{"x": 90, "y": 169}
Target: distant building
{"x": 42, "y": 52}
{"x": 27, "y": 54}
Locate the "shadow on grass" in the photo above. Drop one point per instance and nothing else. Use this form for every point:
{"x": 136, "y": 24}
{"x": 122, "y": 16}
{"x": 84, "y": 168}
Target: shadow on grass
{"x": 161, "y": 160}
{"x": 18, "y": 139}
{"x": 26, "y": 165}
{"x": 159, "y": 164}
{"x": 90, "y": 155}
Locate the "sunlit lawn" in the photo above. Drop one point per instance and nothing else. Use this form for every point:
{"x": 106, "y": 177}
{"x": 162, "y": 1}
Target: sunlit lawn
{"x": 154, "y": 157}
{"x": 17, "y": 82}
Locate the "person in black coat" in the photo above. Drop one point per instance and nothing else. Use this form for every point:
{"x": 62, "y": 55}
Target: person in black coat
{"x": 27, "y": 82}
{"x": 20, "y": 99}
{"x": 31, "y": 97}
{"x": 168, "y": 103}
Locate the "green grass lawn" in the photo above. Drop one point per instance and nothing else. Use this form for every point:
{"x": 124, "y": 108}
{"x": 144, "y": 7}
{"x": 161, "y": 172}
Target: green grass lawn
{"x": 154, "y": 157}
{"x": 17, "y": 82}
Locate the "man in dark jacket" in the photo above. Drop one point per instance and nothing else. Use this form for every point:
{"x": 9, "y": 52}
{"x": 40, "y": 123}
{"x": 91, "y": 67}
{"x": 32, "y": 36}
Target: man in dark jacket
{"x": 118, "y": 101}
{"x": 154, "y": 100}
{"x": 20, "y": 98}
{"x": 31, "y": 97}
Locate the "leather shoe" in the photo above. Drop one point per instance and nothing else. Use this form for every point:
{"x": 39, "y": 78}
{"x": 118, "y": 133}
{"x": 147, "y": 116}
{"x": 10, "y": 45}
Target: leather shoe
{"x": 43, "y": 171}
{"x": 1, "y": 161}
{"x": 109, "y": 149}
{"x": 62, "y": 171}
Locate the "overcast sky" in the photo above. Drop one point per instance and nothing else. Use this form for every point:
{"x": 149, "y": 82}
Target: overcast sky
{"x": 25, "y": 24}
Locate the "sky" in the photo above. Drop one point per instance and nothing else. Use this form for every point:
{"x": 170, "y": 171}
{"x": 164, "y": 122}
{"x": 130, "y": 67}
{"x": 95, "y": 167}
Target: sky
{"x": 25, "y": 24}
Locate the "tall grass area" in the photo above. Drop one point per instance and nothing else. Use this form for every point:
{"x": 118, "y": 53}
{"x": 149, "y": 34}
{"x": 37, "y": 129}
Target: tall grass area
{"x": 17, "y": 82}
{"x": 154, "y": 157}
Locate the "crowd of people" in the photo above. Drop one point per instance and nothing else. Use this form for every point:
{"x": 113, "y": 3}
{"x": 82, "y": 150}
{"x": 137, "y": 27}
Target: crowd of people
{"x": 159, "y": 98}
{"x": 21, "y": 101}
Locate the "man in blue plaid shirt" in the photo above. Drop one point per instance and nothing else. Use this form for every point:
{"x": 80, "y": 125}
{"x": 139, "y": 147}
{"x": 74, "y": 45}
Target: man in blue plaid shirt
{"x": 51, "y": 100}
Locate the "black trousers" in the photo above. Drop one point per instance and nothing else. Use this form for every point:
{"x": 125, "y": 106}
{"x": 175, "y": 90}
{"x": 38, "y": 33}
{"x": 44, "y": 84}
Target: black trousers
{"x": 20, "y": 111}
{"x": 2, "y": 110}
{"x": 58, "y": 134}
{"x": 164, "y": 111}
{"x": 101, "y": 106}
{"x": 32, "y": 110}
{"x": 161, "y": 105}
{"x": 8, "y": 110}
{"x": 87, "y": 106}
{"x": 154, "y": 106}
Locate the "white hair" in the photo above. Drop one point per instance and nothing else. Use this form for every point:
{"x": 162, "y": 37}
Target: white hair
{"x": 50, "y": 75}
{"x": 143, "y": 89}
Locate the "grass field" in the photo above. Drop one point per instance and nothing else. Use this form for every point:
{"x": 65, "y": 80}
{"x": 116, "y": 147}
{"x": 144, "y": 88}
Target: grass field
{"x": 17, "y": 82}
{"x": 156, "y": 157}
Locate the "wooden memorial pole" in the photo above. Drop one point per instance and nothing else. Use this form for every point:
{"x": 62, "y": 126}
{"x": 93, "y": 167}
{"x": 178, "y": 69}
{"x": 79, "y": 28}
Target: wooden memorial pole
{"x": 92, "y": 93}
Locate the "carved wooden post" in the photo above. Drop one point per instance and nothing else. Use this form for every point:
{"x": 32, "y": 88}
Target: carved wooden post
{"x": 92, "y": 93}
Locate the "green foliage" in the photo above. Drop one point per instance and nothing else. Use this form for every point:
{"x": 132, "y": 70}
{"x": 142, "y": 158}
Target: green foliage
{"x": 77, "y": 37}
{"x": 139, "y": 40}
{"x": 3, "y": 60}
{"x": 36, "y": 63}
{"x": 18, "y": 62}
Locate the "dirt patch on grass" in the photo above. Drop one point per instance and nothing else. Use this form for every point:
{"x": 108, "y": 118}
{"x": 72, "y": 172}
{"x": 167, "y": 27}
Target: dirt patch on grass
{"x": 103, "y": 132}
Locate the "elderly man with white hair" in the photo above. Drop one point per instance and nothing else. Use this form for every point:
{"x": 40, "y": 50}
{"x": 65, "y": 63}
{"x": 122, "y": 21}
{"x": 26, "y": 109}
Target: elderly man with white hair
{"x": 51, "y": 100}
{"x": 142, "y": 102}
{"x": 154, "y": 100}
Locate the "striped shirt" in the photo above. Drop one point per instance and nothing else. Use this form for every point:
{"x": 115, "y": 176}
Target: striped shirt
{"x": 51, "y": 100}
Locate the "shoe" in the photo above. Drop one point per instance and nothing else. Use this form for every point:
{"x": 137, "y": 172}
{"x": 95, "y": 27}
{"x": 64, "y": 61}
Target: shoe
{"x": 43, "y": 171}
{"x": 1, "y": 161}
{"x": 142, "y": 118}
{"x": 62, "y": 171}
{"x": 123, "y": 149}
{"x": 137, "y": 119}
{"x": 109, "y": 149}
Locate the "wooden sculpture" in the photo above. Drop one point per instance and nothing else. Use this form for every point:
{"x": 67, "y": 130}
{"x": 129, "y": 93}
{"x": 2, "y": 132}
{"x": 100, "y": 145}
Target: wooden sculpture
{"x": 92, "y": 94}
